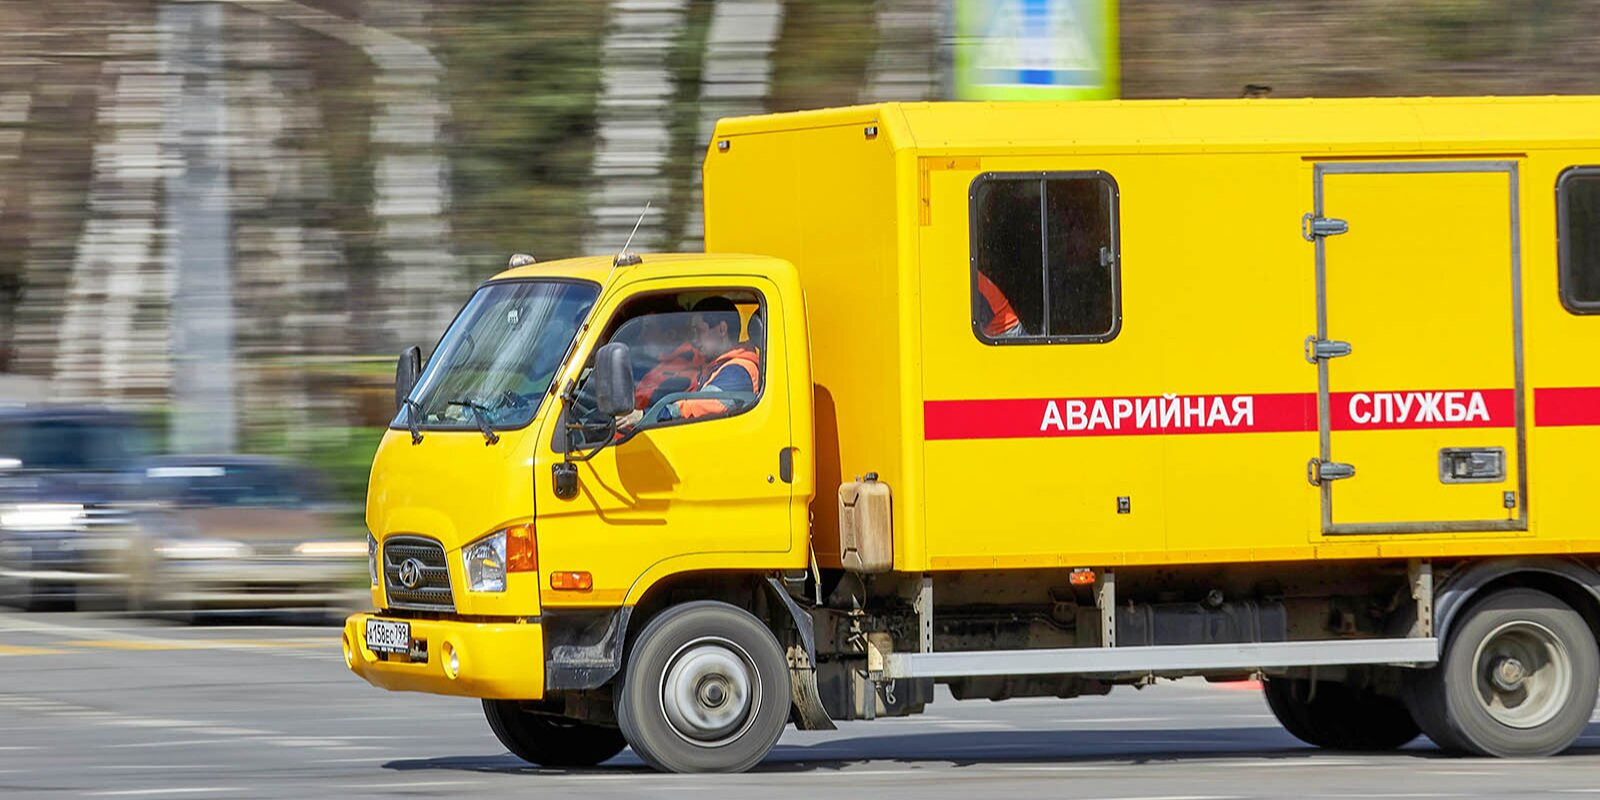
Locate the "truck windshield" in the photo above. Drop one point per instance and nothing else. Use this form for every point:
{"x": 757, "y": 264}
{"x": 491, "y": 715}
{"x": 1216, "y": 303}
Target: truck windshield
{"x": 500, "y": 355}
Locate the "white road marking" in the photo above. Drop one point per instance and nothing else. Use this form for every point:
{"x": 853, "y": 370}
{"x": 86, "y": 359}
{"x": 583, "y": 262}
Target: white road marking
{"x": 1058, "y": 768}
{"x": 228, "y": 731}
{"x": 173, "y": 790}
{"x": 1173, "y": 797}
{"x": 1382, "y": 795}
{"x": 178, "y": 743}
{"x": 144, "y": 722}
{"x": 1119, "y": 720}
{"x": 414, "y": 784}
{"x": 301, "y": 741}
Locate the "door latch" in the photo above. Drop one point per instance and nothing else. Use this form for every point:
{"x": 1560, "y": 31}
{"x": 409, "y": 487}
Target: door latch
{"x": 1472, "y": 464}
{"x": 1325, "y": 349}
{"x": 1319, "y": 472}
{"x": 1312, "y": 226}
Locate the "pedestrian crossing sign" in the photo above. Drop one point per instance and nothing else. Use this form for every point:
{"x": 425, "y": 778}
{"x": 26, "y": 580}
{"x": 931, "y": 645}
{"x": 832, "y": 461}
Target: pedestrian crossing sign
{"x": 1036, "y": 49}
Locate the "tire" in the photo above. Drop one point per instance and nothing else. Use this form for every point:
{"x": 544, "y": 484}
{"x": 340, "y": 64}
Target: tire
{"x": 550, "y": 741}
{"x": 1518, "y": 678}
{"x": 1337, "y": 716}
{"x": 706, "y": 689}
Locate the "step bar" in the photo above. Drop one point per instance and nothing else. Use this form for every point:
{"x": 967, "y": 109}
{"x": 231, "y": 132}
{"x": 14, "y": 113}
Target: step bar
{"x": 1162, "y": 658}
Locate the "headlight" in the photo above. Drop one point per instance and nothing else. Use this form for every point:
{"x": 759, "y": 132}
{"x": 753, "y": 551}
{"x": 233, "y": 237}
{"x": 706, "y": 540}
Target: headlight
{"x": 485, "y": 561}
{"x": 202, "y": 548}
{"x": 335, "y": 549}
{"x": 41, "y": 516}
{"x": 372, "y": 558}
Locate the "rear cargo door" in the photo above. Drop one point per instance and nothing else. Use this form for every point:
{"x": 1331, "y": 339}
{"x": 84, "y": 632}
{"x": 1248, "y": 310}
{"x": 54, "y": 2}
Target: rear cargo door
{"x": 1418, "y": 347}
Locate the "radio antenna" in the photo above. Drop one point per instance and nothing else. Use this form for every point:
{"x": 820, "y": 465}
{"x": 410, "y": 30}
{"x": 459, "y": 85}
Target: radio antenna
{"x": 625, "y": 258}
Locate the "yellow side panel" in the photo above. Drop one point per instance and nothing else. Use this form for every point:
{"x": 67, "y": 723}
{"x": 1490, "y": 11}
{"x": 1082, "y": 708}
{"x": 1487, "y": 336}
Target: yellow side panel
{"x": 1217, "y": 297}
{"x": 1561, "y": 346}
{"x": 824, "y": 198}
{"x": 1421, "y": 288}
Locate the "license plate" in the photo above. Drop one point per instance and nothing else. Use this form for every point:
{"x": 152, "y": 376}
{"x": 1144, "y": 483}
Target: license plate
{"x": 388, "y": 636}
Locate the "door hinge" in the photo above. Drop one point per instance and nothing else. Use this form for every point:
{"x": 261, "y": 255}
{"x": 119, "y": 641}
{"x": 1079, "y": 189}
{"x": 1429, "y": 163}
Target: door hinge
{"x": 1312, "y": 226}
{"x": 1325, "y": 348}
{"x": 1319, "y": 472}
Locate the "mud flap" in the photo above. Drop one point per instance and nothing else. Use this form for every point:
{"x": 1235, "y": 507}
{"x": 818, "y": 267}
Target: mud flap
{"x": 807, "y": 713}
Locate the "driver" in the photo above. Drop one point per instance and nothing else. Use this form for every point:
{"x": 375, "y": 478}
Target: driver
{"x": 677, "y": 362}
{"x": 734, "y": 366}
{"x": 731, "y": 366}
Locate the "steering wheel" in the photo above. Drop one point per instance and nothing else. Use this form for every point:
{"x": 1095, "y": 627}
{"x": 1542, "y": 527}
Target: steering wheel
{"x": 737, "y": 401}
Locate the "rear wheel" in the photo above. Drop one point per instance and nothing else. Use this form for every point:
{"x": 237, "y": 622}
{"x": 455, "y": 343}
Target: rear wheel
{"x": 550, "y": 741}
{"x": 706, "y": 690}
{"x": 1518, "y": 678}
{"x": 1337, "y": 716}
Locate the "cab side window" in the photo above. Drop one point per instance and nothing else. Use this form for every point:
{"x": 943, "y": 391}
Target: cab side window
{"x": 1045, "y": 258}
{"x": 695, "y": 356}
{"x": 1578, "y": 232}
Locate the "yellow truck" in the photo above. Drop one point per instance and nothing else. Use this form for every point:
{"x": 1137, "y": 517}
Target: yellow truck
{"x": 1027, "y": 400}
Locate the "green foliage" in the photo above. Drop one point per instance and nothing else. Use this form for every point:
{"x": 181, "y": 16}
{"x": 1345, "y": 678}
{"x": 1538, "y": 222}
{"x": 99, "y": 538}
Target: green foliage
{"x": 522, "y": 82}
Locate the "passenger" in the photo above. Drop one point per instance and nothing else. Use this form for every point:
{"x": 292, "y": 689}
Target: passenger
{"x": 999, "y": 321}
{"x": 675, "y": 369}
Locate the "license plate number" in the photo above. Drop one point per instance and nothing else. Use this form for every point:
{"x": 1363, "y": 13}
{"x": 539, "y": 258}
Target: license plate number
{"x": 388, "y": 636}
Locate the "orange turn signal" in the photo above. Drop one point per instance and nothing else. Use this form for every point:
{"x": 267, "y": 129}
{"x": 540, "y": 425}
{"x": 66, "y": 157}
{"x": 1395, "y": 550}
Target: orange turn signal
{"x": 572, "y": 581}
{"x": 522, "y": 551}
{"x": 1082, "y": 576}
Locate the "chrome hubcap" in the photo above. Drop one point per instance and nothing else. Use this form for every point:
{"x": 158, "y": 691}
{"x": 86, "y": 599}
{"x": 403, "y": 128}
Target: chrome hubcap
{"x": 709, "y": 691}
{"x": 1524, "y": 674}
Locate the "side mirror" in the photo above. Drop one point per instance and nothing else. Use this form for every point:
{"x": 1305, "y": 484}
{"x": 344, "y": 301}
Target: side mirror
{"x": 405, "y": 375}
{"x": 613, "y": 379}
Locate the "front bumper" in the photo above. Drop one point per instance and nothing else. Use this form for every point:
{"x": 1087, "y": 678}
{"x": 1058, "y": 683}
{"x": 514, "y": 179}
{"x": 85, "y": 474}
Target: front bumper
{"x": 498, "y": 660}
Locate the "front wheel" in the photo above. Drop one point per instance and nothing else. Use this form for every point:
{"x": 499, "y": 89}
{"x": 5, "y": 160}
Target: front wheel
{"x": 706, "y": 690}
{"x": 550, "y": 741}
{"x": 1518, "y": 678}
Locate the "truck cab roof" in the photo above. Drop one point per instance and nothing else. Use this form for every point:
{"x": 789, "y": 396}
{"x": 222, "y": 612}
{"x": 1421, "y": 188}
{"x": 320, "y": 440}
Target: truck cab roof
{"x": 652, "y": 265}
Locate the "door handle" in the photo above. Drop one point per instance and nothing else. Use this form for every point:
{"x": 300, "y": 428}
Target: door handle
{"x": 786, "y": 464}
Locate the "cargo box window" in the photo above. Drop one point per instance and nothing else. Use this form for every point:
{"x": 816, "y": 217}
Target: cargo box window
{"x": 1044, "y": 258}
{"x": 1578, "y": 230}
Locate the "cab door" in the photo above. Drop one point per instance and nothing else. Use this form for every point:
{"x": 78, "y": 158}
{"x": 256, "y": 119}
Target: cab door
{"x": 1418, "y": 347}
{"x": 672, "y": 494}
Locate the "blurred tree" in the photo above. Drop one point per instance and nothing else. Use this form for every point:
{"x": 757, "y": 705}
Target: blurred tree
{"x": 522, "y": 83}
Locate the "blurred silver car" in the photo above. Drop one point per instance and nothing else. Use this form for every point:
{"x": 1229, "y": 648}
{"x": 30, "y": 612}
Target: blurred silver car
{"x": 241, "y": 533}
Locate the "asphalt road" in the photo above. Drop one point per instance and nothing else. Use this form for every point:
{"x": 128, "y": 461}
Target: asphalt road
{"x": 102, "y": 706}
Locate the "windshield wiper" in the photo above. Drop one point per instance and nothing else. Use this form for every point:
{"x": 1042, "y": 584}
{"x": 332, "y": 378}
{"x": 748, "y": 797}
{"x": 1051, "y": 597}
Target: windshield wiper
{"x": 413, "y": 410}
{"x": 481, "y": 414}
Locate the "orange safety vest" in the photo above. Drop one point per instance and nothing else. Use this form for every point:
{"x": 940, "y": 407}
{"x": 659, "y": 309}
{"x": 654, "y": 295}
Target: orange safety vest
{"x": 742, "y": 356}
{"x": 683, "y": 363}
{"x": 1003, "y": 318}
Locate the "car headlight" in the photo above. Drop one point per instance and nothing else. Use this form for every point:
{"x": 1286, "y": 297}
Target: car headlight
{"x": 512, "y": 549}
{"x": 41, "y": 516}
{"x": 202, "y": 548}
{"x": 485, "y": 561}
{"x": 372, "y": 558}
{"x": 334, "y": 549}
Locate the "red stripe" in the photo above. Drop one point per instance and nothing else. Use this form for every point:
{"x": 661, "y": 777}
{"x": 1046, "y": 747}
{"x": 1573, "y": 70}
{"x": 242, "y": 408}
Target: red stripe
{"x": 1576, "y": 405}
{"x": 1387, "y": 411}
{"x": 1261, "y": 413}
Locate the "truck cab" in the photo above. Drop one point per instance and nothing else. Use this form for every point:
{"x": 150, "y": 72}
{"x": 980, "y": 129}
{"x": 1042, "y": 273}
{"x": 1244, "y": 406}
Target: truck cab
{"x": 513, "y": 515}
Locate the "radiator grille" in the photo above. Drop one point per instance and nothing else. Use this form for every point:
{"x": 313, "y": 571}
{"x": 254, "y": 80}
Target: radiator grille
{"x": 432, "y": 589}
